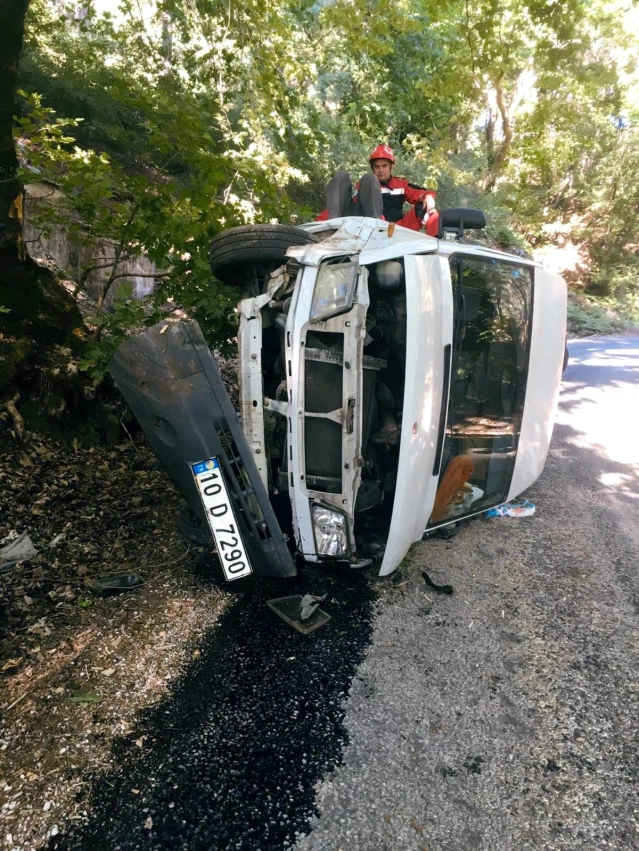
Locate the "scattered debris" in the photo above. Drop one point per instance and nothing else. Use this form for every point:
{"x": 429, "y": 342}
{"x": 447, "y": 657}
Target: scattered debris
{"x": 104, "y": 586}
{"x": 290, "y": 610}
{"x": 86, "y": 697}
{"x": 512, "y": 509}
{"x": 53, "y": 647}
{"x": 439, "y": 589}
{"x": 359, "y": 562}
{"x": 57, "y": 540}
{"x": 18, "y": 550}
{"x": 448, "y": 532}
{"x": 417, "y": 827}
{"x": 309, "y": 604}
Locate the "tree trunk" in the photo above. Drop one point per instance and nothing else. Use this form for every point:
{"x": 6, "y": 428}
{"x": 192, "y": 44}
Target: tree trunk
{"x": 497, "y": 156}
{"x": 41, "y": 329}
{"x": 12, "y": 15}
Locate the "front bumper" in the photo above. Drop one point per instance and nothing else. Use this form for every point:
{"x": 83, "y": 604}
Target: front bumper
{"x": 171, "y": 382}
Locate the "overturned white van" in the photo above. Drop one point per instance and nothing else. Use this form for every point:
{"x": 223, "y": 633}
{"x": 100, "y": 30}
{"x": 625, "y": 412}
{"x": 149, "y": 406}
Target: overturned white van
{"x": 390, "y": 384}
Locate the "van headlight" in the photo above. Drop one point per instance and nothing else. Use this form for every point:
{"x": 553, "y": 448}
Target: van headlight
{"x": 330, "y": 528}
{"x": 334, "y": 290}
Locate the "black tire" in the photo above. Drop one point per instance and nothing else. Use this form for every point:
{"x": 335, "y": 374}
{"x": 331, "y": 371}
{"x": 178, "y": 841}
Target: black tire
{"x": 261, "y": 245}
{"x": 563, "y": 369}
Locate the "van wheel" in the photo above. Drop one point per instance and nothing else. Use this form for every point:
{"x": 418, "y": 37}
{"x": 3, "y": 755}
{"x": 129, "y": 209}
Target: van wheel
{"x": 563, "y": 369}
{"x": 245, "y": 255}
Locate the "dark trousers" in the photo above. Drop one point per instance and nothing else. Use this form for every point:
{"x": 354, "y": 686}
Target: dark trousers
{"x": 340, "y": 201}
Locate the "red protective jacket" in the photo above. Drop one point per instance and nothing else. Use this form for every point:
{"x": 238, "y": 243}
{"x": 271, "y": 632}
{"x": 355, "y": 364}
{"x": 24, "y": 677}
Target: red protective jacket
{"x": 394, "y": 193}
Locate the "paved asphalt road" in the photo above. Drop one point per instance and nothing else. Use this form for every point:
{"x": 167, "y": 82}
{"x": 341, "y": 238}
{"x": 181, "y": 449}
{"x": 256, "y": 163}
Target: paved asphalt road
{"x": 506, "y": 717}
{"x": 503, "y": 718}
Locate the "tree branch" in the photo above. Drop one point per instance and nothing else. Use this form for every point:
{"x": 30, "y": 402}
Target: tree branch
{"x": 140, "y": 275}
{"x": 469, "y": 39}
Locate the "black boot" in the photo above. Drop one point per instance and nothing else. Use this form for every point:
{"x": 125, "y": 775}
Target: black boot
{"x": 339, "y": 195}
{"x": 369, "y": 197}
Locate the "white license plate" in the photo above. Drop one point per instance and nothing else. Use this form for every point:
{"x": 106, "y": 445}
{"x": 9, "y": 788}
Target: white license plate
{"x": 221, "y": 518}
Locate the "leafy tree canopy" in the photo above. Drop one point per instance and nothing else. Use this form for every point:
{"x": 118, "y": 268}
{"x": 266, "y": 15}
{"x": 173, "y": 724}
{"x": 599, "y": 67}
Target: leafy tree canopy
{"x": 163, "y": 122}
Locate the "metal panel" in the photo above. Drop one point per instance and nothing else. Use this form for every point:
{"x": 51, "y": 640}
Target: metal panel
{"x": 429, "y": 331}
{"x": 544, "y": 379}
{"x": 352, "y": 326}
{"x": 170, "y": 380}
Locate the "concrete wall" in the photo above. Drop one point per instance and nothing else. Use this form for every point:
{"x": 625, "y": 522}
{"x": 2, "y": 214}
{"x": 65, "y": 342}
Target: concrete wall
{"x": 73, "y": 257}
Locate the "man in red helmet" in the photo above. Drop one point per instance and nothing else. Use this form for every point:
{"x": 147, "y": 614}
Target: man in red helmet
{"x": 380, "y": 195}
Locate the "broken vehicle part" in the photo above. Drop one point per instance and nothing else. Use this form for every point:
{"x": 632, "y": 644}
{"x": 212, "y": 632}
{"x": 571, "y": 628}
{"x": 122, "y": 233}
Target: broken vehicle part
{"x": 309, "y": 603}
{"x": 438, "y": 589}
{"x": 171, "y": 382}
{"x": 19, "y": 549}
{"x": 105, "y": 586}
{"x": 290, "y": 610}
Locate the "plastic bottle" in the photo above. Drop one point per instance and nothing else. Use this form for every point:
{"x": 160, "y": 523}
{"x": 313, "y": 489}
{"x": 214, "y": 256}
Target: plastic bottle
{"x": 512, "y": 509}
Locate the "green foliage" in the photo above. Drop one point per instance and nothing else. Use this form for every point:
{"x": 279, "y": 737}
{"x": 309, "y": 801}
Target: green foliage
{"x": 588, "y": 316}
{"x": 168, "y": 121}
{"x": 127, "y": 316}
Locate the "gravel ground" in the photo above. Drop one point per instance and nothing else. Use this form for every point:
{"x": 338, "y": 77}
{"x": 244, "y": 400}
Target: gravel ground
{"x": 506, "y": 716}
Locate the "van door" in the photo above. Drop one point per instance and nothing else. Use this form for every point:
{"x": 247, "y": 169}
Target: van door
{"x": 492, "y": 310}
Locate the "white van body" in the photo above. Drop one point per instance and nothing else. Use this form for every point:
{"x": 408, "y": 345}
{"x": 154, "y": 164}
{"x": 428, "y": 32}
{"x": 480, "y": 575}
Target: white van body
{"x": 481, "y": 345}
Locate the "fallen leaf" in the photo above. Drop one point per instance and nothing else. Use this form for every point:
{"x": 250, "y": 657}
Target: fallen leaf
{"x": 86, "y": 697}
{"x": 418, "y": 828}
{"x": 197, "y": 654}
{"x": 12, "y": 663}
{"x": 39, "y": 628}
{"x": 109, "y": 672}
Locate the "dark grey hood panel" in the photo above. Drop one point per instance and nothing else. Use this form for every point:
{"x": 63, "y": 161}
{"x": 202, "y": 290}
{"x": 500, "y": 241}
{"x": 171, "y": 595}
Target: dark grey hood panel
{"x": 171, "y": 382}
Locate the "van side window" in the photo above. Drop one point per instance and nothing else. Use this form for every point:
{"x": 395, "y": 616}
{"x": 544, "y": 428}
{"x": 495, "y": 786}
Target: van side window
{"x": 491, "y": 346}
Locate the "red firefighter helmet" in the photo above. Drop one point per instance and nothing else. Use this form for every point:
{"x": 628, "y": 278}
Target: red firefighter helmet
{"x": 382, "y": 152}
